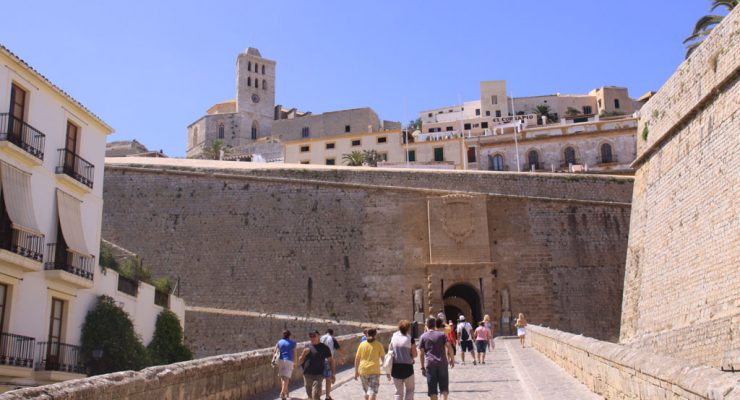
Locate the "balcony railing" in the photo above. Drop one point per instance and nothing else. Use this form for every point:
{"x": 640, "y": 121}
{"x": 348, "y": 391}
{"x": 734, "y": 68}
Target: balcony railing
{"x": 16, "y": 350}
{"x": 161, "y": 299}
{"x": 25, "y": 244}
{"x": 566, "y": 164}
{"x": 73, "y": 263}
{"x": 57, "y": 356}
{"x": 22, "y": 135}
{"x": 538, "y": 166}
{"x": 76, "y": 167}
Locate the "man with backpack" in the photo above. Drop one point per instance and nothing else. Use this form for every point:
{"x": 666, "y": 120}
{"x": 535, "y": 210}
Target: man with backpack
{"x": 465, "y": 335}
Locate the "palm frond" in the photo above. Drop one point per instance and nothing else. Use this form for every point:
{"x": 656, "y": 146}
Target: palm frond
{"x": 690, "y": 48}
{"x": 707, "y": 22}
{"x": 728, "y": 4}
{"x": 699, "y": 35}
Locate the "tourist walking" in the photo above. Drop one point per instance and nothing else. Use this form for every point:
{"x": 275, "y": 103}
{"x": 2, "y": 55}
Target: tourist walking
{"x": 367, "y": 364}
{"x": 333, "y": 345}
{"x": 482, "y": 340}
{"x": 403, "y": 348}
{"x": 285, "y": 351}
{"x": 521, "y": 328}
{"x": 451, "y": 333}
{"x": 312, "y": 359}
{"x": 465, "y": 335}
{"x": 435, "y": 354}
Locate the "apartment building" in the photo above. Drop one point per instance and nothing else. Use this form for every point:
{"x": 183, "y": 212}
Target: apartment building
{"x": 52, "y": 152}
{"x": 421, "y": 151}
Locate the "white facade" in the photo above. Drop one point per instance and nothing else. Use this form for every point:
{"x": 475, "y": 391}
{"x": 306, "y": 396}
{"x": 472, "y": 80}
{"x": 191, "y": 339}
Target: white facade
{"x": 52, "y": 152}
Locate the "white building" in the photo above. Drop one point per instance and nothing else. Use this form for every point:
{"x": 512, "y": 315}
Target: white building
{"x": 52, "y": 153}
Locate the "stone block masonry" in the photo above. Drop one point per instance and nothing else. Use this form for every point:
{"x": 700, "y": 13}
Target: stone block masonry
{"x": 354, "y": 244}
{"x": 233, "y": 376}
{"x": 682, "y": 283}
{"x": 621, "y": 372}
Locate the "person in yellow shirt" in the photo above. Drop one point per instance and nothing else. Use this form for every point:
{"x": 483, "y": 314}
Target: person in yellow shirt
{"x": 369, "y": 357}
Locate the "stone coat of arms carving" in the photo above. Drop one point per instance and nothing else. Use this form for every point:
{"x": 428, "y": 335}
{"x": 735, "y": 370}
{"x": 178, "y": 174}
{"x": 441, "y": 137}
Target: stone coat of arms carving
{"x": 457, "y": 217}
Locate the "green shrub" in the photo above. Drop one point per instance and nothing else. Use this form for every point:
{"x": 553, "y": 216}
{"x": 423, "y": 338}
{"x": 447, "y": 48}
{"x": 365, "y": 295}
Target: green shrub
{"x": 166, "y": 346}
{"x": 107, "y": 260}
{"x": 108, "y": 328}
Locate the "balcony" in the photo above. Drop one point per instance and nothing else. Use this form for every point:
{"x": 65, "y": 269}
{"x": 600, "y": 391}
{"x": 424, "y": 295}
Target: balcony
{"x": 22, "y": 249}
{"x": 538, "y": 166}
{"x": 69, "y": 267}
{"x": 75, "y": 167}
{"x": 23, "y": 136}
{"x": 56, "y": 362}
{"x": 16, "y": 355}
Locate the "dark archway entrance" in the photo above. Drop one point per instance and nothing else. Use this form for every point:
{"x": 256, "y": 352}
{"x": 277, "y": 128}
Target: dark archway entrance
{"x": 462, "y": 299}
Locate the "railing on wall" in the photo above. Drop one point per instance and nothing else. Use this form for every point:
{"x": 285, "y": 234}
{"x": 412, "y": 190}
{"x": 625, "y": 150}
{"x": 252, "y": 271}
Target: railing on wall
{"x": 76, "y": 167}
{"x": 22, "y": 135}
{"x": 23, "y": 243}
{"x": 57, "y": 356}
{"x": 73, "y": 263}
{"x": 16, "y": 350}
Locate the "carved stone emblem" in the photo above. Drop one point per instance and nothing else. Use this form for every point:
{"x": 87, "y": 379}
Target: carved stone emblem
{"x": 457, "y": 218}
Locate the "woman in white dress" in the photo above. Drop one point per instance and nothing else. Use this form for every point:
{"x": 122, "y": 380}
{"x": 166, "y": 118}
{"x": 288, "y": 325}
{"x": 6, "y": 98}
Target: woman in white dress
{"x": 521, "y": 325}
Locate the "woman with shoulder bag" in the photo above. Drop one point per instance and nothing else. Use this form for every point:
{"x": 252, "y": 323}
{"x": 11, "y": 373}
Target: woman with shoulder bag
{"x": 403, "y": 348}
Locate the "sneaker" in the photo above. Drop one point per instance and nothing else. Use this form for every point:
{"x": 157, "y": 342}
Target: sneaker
{"x": 474, "y": 363}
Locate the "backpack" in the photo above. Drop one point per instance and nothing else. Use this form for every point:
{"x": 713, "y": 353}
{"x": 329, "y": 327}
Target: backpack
{"x": 464, "y": 336}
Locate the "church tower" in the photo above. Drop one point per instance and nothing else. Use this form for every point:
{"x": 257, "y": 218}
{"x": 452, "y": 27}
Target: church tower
{"x": 255, "y": 93}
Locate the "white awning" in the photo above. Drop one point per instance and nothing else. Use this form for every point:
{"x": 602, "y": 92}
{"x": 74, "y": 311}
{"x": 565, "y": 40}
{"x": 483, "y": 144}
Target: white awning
{"x": 16, "y": 188}
{"x": 70, "y": 218}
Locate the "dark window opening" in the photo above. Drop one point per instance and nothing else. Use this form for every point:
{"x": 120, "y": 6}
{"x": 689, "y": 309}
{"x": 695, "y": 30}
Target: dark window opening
{"x": 570, "y": 155}
{"x": 304, "y": 149}
{"x": 330, "y": 161}
{"x": 412, "y": 155}
{"x": 498, "y": 113}
{"x": 471, "y": 155}
{"x": 347, "y": 128}
{"x": 439, "y": 154}
{"x": 356, "y": 142}
{"x": 329, "y": 146}
{"x": 466, "y": 126}
{"x": 221, "y": 131}
{"x": 382, "y": 139}
{"x": 606, "y": 153}
{"x": 616, "y": 103}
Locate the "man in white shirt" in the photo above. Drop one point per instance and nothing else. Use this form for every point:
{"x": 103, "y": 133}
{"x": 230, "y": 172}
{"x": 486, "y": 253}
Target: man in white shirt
{"x": 465, "y": 336}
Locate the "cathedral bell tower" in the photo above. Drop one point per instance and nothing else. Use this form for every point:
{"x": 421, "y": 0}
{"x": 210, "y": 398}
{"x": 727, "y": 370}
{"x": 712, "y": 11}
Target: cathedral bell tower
{"x": 255, "y": 93}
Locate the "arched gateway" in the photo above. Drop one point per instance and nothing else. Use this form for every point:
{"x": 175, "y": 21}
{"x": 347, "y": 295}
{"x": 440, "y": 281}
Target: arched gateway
{"x": 462, "y": 299}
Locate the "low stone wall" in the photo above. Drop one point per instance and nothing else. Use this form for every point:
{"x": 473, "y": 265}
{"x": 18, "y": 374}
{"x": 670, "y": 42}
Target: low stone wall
{"x": 210, "y": 331}
{"x": 621, "y": 372}
{"x": 231, "y": 376}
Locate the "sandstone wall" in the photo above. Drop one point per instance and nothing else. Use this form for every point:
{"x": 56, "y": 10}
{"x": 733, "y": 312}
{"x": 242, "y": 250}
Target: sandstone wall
{"x": 213, "y": 331}
{"x": 354, "y": 244}
{"x": 622, "y": 372}
{"x": 233, "y": 376}
{"x": 682, "y": 285}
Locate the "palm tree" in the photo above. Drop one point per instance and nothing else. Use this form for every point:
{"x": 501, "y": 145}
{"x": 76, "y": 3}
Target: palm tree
{"x": 213, "y": 152}
{"x": 371, "y": 157}
{"x": 705, "y": 24}
{"x": 354, "y": 159}
{"x": 543, "y": 110}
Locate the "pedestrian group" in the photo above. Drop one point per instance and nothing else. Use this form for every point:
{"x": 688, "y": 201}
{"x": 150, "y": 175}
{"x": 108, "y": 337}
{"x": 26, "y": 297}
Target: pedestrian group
{"x": 436, "y": 350}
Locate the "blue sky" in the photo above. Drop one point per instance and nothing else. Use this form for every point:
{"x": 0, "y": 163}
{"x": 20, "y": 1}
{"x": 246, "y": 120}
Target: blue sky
{"x": 151, "y": 68}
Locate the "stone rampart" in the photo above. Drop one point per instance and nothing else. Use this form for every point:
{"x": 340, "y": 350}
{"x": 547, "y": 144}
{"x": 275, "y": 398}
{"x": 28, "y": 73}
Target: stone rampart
{"x": 621, "y": 372}
{"x": 231, "y": 376}
{"x": 355, "y": 245}
{"x": 682, "y": 279}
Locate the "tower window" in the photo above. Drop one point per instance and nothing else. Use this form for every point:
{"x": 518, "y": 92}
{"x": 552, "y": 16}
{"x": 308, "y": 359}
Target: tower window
{"x": 254, "y": 130}
{"x": 249, "y": 66}
{"x": 256, "y": 83}
{"x": 347, "y": 128}
{"x": 263, "y": 69}
{"x": 616, "y": 103}
{"x": 264, "y": 84}
{"x": 305, "y": 132}
{"x": 256, "y": 67}
{"x": 488, "y": 113}
{"x": 249, "y": 81}
{"x": 494, "y": 99}
{"x": 498, "y": 113}
{"x": 221, "y": 131}
{"x": 477, "y": 111}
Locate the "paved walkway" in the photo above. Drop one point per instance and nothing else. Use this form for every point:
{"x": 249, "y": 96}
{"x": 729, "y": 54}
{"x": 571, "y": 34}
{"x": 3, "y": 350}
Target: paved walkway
{"x": 510, "y": 372}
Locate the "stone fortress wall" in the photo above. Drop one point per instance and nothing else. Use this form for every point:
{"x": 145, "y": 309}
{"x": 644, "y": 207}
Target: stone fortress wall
{"x": 353, "y": 243}
{"x": 682, "y": 287}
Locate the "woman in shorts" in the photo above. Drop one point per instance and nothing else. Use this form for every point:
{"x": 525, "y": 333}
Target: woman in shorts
{"x": 286, "y": 349}
{"x": 482, "y": 339}
{"x": 369, "y": 357}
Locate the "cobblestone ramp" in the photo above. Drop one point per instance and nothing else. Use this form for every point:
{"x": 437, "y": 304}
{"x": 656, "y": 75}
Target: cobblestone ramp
{"x": 510, "y": 372}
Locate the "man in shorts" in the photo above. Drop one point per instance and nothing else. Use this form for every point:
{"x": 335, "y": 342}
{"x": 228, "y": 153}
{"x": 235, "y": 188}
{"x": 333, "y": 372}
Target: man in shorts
{"x": 333, "y": 345}
{"x": 465, "y": 336}
{"x": 312, "y": 359}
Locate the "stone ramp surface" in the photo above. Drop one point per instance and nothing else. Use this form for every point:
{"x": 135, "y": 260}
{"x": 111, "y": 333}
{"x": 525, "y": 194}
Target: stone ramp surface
{"x": 510, "y": 372}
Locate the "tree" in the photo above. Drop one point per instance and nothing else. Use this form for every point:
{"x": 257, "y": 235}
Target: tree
{"x": 414, "y": 124}
{"x": 166, "y": 346}
{"x": 107, "y": 259}
{"x": 108, "y": 328}
{"x": 543, "y": 110}
{"x": 354, "y": 159}
{"x": 371, "y": 157}
{"x": 213, "y": 152}
{"x": 705, "y": 24}
{"x": 570, "y": 111}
